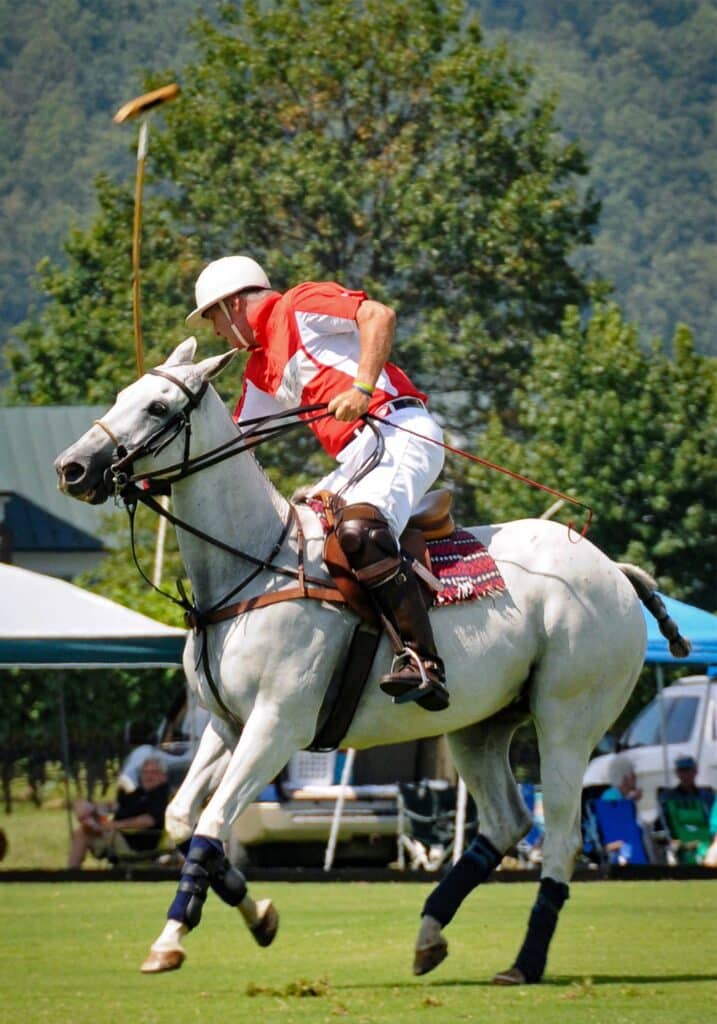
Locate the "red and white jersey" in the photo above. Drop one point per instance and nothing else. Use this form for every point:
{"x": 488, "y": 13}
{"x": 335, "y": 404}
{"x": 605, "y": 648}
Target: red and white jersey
{"x": 308, "y": 352}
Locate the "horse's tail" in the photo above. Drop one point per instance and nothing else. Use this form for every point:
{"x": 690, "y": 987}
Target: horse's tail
{"x": 646, "y": 590}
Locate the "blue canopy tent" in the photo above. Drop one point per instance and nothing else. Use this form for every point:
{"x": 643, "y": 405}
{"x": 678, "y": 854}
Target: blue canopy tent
{"x": 698, "y": 626}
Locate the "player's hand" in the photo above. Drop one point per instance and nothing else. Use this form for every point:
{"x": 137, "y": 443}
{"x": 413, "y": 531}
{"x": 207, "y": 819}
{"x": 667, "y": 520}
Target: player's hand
{"x": 350, "y": 405}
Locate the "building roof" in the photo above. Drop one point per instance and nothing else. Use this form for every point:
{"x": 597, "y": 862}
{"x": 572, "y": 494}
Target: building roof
{"x": 39, "y": 516}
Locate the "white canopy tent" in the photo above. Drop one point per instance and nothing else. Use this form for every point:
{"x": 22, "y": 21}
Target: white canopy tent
{"x": 47, "y": 622}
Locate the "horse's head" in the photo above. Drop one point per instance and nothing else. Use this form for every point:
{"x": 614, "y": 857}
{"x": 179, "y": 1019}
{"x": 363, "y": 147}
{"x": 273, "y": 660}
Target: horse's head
{"x": 145, "y": 420}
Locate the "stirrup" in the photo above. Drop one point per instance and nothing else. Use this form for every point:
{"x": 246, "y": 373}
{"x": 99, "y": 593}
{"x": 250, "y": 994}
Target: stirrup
{"x": 431, "y": 694}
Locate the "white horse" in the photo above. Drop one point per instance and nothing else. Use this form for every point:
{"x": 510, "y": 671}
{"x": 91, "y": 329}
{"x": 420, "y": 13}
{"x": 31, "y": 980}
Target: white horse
{"x": 564, "y": 644}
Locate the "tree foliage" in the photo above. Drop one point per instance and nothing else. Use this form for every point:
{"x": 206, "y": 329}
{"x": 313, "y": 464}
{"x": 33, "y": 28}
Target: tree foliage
{"x": 636, "y": 84}
{"x": 628, "y": 431}
{"x": 391, "y": 150}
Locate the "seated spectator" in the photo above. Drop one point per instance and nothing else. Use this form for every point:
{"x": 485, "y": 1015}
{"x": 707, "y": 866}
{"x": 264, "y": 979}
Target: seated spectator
{"x": 624, "y": 787}
{"x": 136, "y": 824}
{"x": 686, "y": 813}
{"x": 624, "y": 781}
{"x": 687, "y": 788}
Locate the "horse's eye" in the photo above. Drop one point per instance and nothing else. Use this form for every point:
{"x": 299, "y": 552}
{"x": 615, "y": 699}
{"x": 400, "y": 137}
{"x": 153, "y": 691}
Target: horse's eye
{"x": 157, "y": 409}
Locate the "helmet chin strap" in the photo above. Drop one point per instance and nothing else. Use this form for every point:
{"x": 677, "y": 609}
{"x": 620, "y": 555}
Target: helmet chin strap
{"x": 235, "y": 330}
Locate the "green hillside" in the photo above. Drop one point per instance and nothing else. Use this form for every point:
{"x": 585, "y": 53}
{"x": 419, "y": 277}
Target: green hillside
{"x": 635, "y": 82}
{"x": 65, "y": 68}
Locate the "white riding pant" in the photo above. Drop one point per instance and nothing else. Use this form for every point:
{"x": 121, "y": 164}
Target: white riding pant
{"x": 406, "y": 471}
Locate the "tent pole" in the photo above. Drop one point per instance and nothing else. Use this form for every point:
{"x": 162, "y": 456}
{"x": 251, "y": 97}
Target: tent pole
{"x": 459, "y": 839}
{"x": 339, "y": 809}
{"x": 663, "y": 724}
{"x": 65, "y": 751}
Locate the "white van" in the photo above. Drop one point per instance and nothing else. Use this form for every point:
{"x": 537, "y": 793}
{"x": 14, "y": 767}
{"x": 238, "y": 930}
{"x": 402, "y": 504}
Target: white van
{"x": 687, "y": 712}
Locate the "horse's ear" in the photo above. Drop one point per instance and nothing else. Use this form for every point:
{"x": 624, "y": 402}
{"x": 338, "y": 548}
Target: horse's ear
{"x": 183, "y": 353}
{"x": 209, "y": 368}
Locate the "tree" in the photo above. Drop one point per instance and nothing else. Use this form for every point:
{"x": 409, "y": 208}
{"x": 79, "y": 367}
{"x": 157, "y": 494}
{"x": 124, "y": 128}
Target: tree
{"x": 628, "y": 431}
{"x": 390, "y": 149}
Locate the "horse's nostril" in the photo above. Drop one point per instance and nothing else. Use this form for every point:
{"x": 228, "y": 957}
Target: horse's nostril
{"x": 73, "y": 472}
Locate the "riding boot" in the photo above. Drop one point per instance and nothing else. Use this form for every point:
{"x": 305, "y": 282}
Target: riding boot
{"x": 418, "y": 673}
{"x": 374, "y": 556}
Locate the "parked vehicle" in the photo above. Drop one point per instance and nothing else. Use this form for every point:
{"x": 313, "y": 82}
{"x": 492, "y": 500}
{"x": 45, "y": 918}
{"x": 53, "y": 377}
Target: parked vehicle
{"x": 683, "y": 721}
{"x": 290, "y": 821}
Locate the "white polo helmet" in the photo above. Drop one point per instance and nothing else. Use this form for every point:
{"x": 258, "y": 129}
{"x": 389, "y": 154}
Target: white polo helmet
{"x": 222, "y": 278}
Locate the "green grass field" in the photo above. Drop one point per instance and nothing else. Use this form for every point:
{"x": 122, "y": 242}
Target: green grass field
{"x": 36, "y": 838}
{"x": 625, "y": 953}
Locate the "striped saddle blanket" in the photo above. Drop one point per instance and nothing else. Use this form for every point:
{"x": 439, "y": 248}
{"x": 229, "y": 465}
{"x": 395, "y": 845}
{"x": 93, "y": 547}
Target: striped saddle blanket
{"x": 463, "y": 565}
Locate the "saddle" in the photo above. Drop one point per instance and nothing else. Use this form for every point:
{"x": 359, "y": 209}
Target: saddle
{"x": 432, "y": 520}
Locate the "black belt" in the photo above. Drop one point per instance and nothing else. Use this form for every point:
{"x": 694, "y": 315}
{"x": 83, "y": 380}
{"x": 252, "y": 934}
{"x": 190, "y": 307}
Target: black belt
{"x": 385, "y": 410}
{"x": 398, "y": 403}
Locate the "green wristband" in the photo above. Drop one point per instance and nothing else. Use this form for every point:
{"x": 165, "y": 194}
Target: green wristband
{"x": 365, "y": 389}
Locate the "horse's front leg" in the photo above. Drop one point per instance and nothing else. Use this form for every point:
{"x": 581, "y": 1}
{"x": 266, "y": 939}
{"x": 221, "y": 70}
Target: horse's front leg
{"x": 267, "y": 742}
{"x": 205, "y": 772}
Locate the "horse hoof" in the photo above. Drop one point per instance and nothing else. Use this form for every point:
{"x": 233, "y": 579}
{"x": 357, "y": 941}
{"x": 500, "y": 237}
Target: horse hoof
{"x": 513, "y": 976}
{"x": 163, "y": 960}
{"x": 428, "y": 957}
{"x": 264, "y": 931}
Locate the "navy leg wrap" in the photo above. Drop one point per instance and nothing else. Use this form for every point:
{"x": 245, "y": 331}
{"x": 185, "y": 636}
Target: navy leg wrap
{"x": 228, "y": 883}
{"x": 202, "y": 859}
{"x": 475, "y": 865}
{"x": 541, "y": 926}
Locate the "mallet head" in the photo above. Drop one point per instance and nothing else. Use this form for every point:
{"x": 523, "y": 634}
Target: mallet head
{"x": 143, "y": 104}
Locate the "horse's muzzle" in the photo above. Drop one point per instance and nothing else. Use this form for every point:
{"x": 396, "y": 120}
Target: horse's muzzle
{"x": 80, "y": 479}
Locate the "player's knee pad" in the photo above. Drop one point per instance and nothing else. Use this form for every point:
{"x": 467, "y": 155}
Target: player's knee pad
{"x": 368, "y": 542}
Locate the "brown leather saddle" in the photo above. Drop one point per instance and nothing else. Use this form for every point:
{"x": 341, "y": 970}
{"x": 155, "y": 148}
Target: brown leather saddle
{"x": 432, "y": 520}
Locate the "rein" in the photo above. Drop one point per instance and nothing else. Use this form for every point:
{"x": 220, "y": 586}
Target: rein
{"x": 502, "y": 469}
{"x": 125, "y": 486}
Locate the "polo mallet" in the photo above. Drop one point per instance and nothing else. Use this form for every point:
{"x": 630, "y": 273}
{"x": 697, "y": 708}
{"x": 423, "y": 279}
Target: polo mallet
{"x": 141, "y": 107}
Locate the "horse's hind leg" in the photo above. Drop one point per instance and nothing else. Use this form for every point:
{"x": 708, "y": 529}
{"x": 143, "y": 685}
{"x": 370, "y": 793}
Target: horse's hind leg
{"x": 480, "y": 754}
{"x": 562, "y": 766}
{"x": 572, "y": 706}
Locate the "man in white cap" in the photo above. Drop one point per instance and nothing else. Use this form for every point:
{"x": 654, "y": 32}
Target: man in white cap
{"x": 323, "y": 343}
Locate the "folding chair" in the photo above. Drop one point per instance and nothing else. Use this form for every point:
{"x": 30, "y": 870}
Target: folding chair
{"x": 529, "y": 847}
{"x": 427, "y": 823}
{"x": 687, "y": 825}
{"x": 163, "y": 852}
{"x": 592, "y": 850}
{"x": 619, "y": 832}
